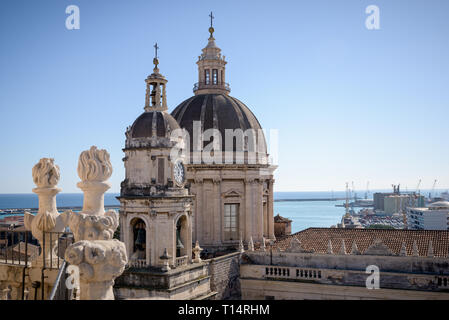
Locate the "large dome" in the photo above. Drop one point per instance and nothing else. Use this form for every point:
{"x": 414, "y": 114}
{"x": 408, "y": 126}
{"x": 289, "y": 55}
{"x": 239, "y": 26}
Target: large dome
{"x": 217, "y": 111}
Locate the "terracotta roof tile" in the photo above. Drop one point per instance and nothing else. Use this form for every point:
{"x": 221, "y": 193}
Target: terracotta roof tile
{"x": 317, "y": 239}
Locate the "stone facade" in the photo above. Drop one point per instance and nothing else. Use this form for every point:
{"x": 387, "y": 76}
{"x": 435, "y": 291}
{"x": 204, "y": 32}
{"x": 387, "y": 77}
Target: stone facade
{"x": 225, "y": 276}
{"x": 213, "y": 187}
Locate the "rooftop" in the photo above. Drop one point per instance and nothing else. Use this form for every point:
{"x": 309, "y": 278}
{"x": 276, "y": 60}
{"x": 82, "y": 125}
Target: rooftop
{"x": 317, "y": 240}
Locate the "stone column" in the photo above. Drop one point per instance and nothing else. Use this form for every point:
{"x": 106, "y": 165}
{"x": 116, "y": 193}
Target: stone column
{"x": 248, "y": 209}
{"x": 46, "y": 177}
{"x": 216, "y": 226}
{"x": 270, "y": 209}
{"x": 100, "y": 258}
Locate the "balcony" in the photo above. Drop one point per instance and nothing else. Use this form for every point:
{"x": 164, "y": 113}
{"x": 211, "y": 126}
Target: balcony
{"x": 223, "y": 86}
{"x": 181, "y": 261}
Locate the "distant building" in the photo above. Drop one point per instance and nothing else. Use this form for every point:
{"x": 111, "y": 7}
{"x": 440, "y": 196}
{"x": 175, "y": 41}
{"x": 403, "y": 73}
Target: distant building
{"x": 334, "y": 263}
{"x": 390, "y": 203}
{"x": 378, "y": 198}
{"x": 282, "y": 226}
{"x": 435, "y": 217}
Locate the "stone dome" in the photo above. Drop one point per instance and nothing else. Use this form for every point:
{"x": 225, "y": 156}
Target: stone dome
{"x": 153, "y": 123}
{"x": 218, "y": 111}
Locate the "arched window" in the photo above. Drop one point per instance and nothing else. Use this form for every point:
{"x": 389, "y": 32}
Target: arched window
{"x": 207, "y": 76}
{"x": 139, "y": 238}
{"x": 214, "y": 76}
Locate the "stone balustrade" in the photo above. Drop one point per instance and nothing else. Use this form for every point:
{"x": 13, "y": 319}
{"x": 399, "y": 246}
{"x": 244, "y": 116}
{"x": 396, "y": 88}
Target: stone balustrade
{"x": 181, "y": 261}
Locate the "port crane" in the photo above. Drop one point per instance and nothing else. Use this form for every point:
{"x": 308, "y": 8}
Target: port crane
{"x": 431, "y": 194}
{"x": 417, "y": 187}
{"x": 367, "y": 190}
{"x": 347, "y": 201}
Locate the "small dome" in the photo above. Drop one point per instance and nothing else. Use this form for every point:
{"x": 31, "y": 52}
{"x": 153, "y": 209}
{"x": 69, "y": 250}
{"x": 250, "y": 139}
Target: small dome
{"x": 153, "y": 123}
{"x": 439, "y": 205}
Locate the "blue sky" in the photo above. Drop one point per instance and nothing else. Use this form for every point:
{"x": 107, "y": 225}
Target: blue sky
{"x": 350, "y": 104}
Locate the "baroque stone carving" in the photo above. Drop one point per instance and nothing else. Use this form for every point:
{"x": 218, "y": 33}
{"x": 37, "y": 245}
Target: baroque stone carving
{"x": 296, "y": 246}
{"x": 99, "y": 262}
{"x": 403, "y": 251}
{"x": 415, "y": 249}
{"x": 378, "y": 248}
{"x": 355, "y": 249}
{"x": 430, "y": 250}
{"x": 329, "y": 247}
{"x": 100, "y": 258}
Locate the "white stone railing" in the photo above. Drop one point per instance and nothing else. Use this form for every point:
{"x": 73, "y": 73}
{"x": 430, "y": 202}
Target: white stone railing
{"x": 138, "y": 263}
{"x": 181, "y": 261}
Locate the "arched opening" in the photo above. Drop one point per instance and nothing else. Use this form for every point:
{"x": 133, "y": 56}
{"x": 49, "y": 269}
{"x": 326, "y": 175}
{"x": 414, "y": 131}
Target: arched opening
{"x": 139, "y": 238}
{"x": 181, "y": 237}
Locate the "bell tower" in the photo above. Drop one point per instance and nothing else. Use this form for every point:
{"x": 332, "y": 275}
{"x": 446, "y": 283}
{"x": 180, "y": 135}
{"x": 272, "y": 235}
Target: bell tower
{"x": 155, "y": 211}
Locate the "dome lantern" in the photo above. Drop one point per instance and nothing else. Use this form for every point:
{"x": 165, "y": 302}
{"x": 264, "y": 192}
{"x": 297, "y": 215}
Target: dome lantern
{"x": 155, "y": 98}
{"x": 211, "y": 68}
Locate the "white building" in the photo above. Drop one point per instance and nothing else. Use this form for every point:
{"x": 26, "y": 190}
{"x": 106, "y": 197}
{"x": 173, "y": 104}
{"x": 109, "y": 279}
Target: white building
{"x": 435, "y": 217}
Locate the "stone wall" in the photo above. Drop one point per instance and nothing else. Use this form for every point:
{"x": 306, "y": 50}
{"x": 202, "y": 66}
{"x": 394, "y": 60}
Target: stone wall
{"x": 225, "y": 276}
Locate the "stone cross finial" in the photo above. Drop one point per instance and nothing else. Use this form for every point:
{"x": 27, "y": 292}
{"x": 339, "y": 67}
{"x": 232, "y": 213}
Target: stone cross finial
{"x": 211, "y": 19}
{"x": 155, "y": 50}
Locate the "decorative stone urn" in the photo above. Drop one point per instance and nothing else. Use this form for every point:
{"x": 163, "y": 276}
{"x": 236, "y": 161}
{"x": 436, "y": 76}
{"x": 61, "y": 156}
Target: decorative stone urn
{"x": 100, "y": 258}
{"x": 46, "y": 177}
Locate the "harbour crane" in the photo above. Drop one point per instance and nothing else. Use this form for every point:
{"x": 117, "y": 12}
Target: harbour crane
{"x": 431, "y": 194}
{"x": 347, "y": 201}
{"x": 417, "y": 187}
{"x": 367, "y": 190}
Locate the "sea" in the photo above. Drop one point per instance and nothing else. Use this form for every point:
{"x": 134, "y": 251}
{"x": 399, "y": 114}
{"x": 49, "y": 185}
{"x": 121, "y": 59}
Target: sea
{"x": 304, "y": 214}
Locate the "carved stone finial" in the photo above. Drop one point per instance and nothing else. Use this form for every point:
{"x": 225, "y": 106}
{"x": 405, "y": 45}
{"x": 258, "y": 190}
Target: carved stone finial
{"x": 197, "y": 252}
{"x": 415, "y": 249}
{"x": 329, "y": 247}
{"x": 46, "y": 173}
{"x": 241, "y": 247}
{"x": 251, "y": 244}
{"x": 94, "y": 168}
{"x": 403, "y": 251}
{"x": 343, "y": 247}
{"x": 354, "y": 249}
{"x": 46, "y": 176}
{"x": 94, "y": 165}
{"x": 262, "y": 245}
{"x": 378, "y": 248}
{"x": 430, "y": 250}
{"x": 165, "y": 261}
